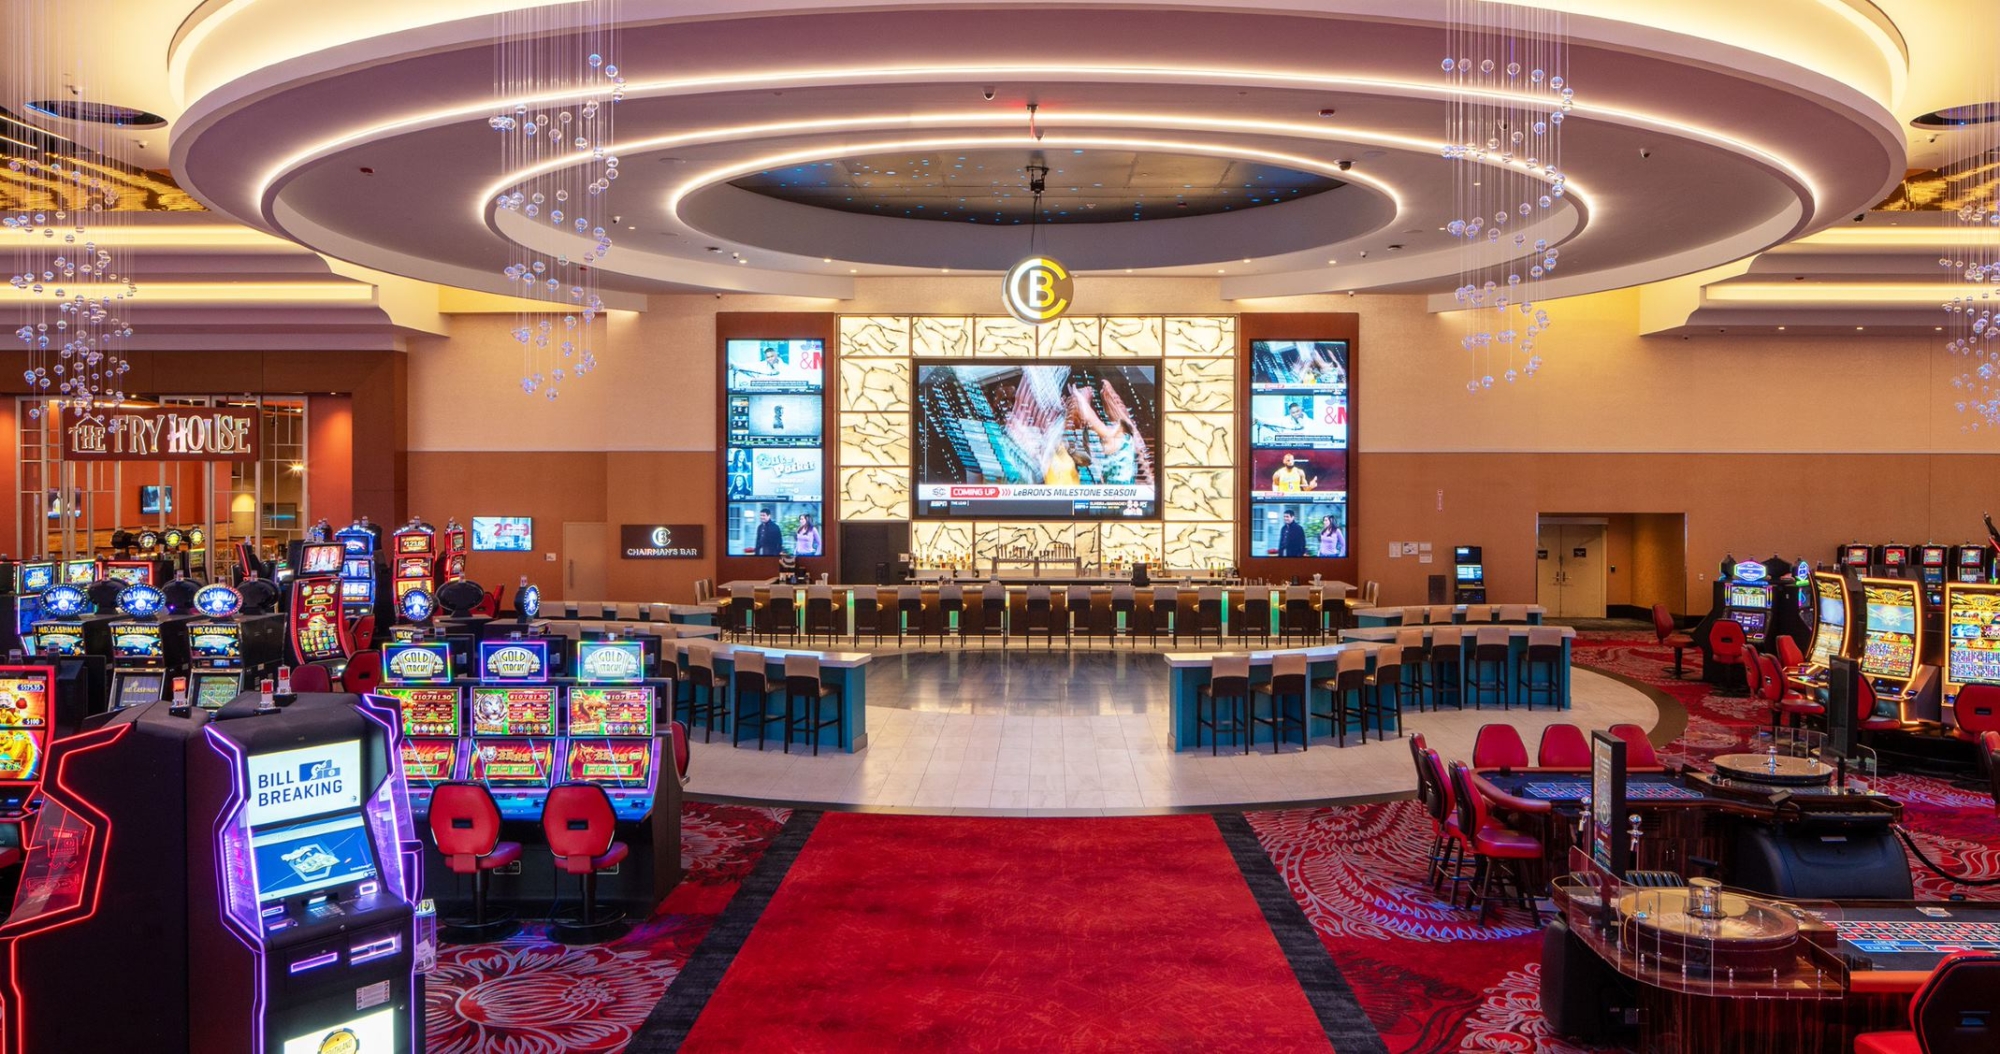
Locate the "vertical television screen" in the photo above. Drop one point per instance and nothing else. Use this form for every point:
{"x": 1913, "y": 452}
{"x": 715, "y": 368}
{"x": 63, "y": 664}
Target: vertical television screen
{"x": 1299, "y": 417}
{"x": 1061, "y": 441}
{"x": 774, "y": 463}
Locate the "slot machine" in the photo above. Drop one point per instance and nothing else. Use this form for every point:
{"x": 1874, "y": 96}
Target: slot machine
{"x": 1892, "y": 560}
{"x": 1971, "y": 564}
{"x": 133, "y": 572}
{"x": 357, "y": 572}
{"x": 1854, "y": 558}
{"x": 317, "y": 631}
{"x": 413, "y": 560}
{"x": 1834, "y": 632}
{"x": 81, "y": 572}
{"x": 147, "y": 647}
{"x": 457, "y": 544}
{"x": 260, "y": 886}
{"x": 21, "y": 605}
{"x": 514, "y": 728}
{"x": 612, "y": 741}
{"x": 227, "y": 649}
{"x": 1972, "y": 636}
{"x": 27, "y": 722}
{"x": 1469, "y": 575}
{"x": 1746, "y": 598}
{"x": 431, "y": 709}
{"x": 69, "y": 629}
{"x": 1894, "y": 654}
{"x": 1933, "y": 562}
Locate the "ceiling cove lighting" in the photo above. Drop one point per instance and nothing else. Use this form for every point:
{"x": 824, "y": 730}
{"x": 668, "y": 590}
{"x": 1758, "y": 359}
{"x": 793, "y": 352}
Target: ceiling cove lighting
{"x": 557, "y": 93}
{"x": 1506, "y": 65}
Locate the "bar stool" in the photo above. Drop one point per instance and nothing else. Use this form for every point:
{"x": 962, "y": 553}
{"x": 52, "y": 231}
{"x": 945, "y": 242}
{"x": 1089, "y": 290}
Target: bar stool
{"x": 867, "y": 613}
{"x": 1288, "y": 682}
{"x": 1301, "y": 617}
{"x": 1387, "y": 681}
{"x": 1514, "y": 614}
{"x": 951, "y": 613}
{"x": 581, "y": 828}
{"x": 751, "y": 679}
{"x": 1545, "y": 655}
{"x": 993, "y": 612}
{"x": 1489, "y": 666}
{"x": 1446, "y": 660}
{"x": 803, "y": 684}
{"x": 1041, "y": 614}
{"x": 1478, "y": 614}
{"x": 1124, "y": 613}
{"x": 1349, "y": 680}
{"x": 781, "y": 614}
{"x": 465, "y": 827}
{"x": 910, "y": 612}
{"x": 1208, "y": 613}
{"x": 1415, "y": 656}
{"x": 1257, "y": 615}
{"x": 1229, "y": 679}
{"x": 701, "y": 679}
{"x": 820, "y": 614}
{"x": 1078, "y": 620}
{"x": 1165, "y": 610}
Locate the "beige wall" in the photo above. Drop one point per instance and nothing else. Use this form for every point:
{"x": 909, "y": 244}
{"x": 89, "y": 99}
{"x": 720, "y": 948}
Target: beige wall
{"x": 1787, "y": 445}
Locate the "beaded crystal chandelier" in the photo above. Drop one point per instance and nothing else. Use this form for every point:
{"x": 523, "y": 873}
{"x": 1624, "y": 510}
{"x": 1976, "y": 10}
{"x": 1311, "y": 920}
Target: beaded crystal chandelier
{"x": 61, "y": 209}
{"x": 557, "y": 82}
{"x": 1970, "y": 198}
{"x": 1504, "y": 68}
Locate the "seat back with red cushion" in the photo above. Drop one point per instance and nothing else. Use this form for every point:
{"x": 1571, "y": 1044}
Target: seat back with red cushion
{"x": 1563, "y": 747}
{"x": 1663, "y": 623}
{"x": 1865, "y": 700}
{"x": 677, "y": 735}
{"x": 465, "y": 824}
{"x": 1499, "y": 746}
{"x": 310, "y": 678}
{"x": 1444, "y": 804}
{"x": 1770, "y": 680}
{"x": 1753, "y": 671}
{"x": 580, "y": 824}
{"x": 1639, "y": 752}
{"x": 1957, "y": 1011}
{"x": 1725, "y": 641}
{"x": 362, "y": 635}
{"x": 1989, "y": 748}
{"x": 363, "y": 673}
{"x": 1471, "y": 805}
{"x": 1789, "y": 655}
{"x": 1977, "y": 709}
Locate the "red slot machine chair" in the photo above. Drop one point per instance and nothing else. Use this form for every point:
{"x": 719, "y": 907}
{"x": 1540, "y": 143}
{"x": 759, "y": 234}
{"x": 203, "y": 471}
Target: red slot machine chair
{"x": 581, "y": 828}
{"x": 363, "y": 632}
{"x": 1499, "y": 746}
{"x": 1563, "y": 747}
{"x": 1501, "y": 851}
{"x": 1786, "y": 708}
{"x": 1989, "y": 752}
{"x": 1669, "y": 636}
{"x": 1639, "y": 752}
{"x": 1953, "y": 1013}
{"x": 1789, "y": 656}
{"x": 363, "y": 673}
{"x": 1726, "y": 644}
{"x": 677, "y": 734}
{"x": 489, "y": 605}
{"x": 310, "y": 679}
{"x": 1865, "y": 718}
{"x": 465, "y": 827}
{"x": 1753, "y": 672}
{"x": 1976, "y": 711}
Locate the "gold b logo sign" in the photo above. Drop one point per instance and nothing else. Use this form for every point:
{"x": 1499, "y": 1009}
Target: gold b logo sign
{"x": 1039, "y": 289}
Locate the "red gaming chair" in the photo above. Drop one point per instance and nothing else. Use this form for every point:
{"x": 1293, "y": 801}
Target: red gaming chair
{"x": 1786, "y": 708}
{"x": 465, "y": 826}
{"x": 1976, "y": 711}
{"x": 1671, "y": 637}
{"x": 1989, "y": 752}
{"x": 362, "y": 633}
{"x": 1789, "y": 655}
{"x": 363, "y": 673}
{"x": 1563, "y": 747}
{"x": 1865, "y": 717}
{"x": 1639, "y": 752}
{"x": 1726, "y": 643}
{"x": 310, "y": 678}
{"x": 1499, "y": 746}
{"x": 1953, "y": 1013}
{"x": 581, "y": 827}
{"x": 677, "y": 734}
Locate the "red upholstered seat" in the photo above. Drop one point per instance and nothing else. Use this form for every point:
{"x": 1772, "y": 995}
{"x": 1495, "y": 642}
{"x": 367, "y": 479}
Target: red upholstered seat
{"x": 1989, "y": 749}
{"x": 580, "y": 824}
{"x": 1955, "y": 1012}
{"x": 1725, "y": 641}
{"x": 465, "y": 826}
{"x": 1639, "y": 753}
{"x": 1670, "y": 637}
{"x": 1789, "y": 655}
{"x": 1506, "y": 842}
{"x": 1495, "y": 843}
{"x": 362, "y": 633}
{"x": 1865, "y": 717}
{"x": 311, "y": 678}
{"x": 1499, "y": 746}
{"x": 1976, "y": 710}
{"x": 363, "y": 673}
{"x": 1563, "y": 747}
{"x": 677, "y": 735}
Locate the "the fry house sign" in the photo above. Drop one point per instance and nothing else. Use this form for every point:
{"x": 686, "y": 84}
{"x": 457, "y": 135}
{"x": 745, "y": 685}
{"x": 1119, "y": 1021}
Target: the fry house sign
{"x": 162, "y": 433}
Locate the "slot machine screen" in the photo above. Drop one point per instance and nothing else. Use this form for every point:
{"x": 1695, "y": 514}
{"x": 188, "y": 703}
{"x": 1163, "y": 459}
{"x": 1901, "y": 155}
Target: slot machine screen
{"x": 80, "y": 572}
{"x": 1889, "y": 649}
{"x": 429, "y": 761}
{"x": 24, "y": 723}
{"x": 216, "y": 641}
{"x": 1932, "y": 556}
{"x": 610, "y": 662}
{"x": 300, "y": 858}
{"x": 322, "y": 559}
{"x": 417, "y": 662}
{"x": 1972, "y": 636}
{"x": 514, "y": 762}
{"x": 613, "y": 762}
{"x": 316, "y": 618}
{"x": 138, "y": 689}
{"x": 513, "y": 711}
{"x": 1830, "y": 628}
{"x": 428, "y": 712}
{"x": 1749, "y": 596}
{"x": 37, "y": 577}
{"x": 596, "y": 712}
{"x": 59, "y": 638}
{"x": 1895, "y": 556}
{"x": 214, "y": 693}
{"x": 353, "y": 591}
{"x": 137, "y": 641}
{"x": 128, "y": 574}
{"x": 1971, "y": 556}
{"x": 1855, "y": 556}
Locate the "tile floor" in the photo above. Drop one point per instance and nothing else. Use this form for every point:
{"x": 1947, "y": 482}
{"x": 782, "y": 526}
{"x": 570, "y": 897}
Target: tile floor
{"x": 1087, "y": 735}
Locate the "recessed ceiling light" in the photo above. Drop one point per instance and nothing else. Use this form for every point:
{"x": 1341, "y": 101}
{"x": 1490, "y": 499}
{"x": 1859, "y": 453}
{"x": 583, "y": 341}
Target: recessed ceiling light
{"x": 854, "y": 270}
{"x": 1220, "y": 271}
{"x": 1781, "y": 329}
{"x": 826, "y": 259}
{"x": 1128, "y": 270}
{"x": 1858, "y": 329}
{"x": 1937, "y": 329}
{"x": 947, "y": 270}
{"x": 1330, "y": 263}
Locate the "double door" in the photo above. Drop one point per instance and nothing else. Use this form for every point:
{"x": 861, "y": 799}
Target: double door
{"x": 1570, "y": 567}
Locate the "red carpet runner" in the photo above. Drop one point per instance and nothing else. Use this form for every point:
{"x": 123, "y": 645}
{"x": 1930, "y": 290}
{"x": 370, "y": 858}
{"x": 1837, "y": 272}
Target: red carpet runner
{"x": 938, "y": 933}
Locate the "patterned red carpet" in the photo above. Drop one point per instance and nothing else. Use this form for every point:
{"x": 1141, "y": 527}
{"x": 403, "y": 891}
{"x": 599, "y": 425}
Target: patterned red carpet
{"x": 529, "y": 996}
{"x": 946, "y": 933}
{"x": 1430, "y": 978}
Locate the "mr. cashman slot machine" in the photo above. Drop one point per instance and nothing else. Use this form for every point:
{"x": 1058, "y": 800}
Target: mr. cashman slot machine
{"x": 147, "y": 647}
{"x": 228, "y": 650}
{"x": 318, "y": 632}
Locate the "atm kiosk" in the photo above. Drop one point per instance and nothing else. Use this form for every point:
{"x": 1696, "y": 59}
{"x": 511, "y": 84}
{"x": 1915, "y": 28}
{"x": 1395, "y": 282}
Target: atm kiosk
{"x": 1933, "y": 567}
{"x": 147, "y": 649}
{"x": 1894, "y": 650}
{"x": 431, "y": 709}
{"x": 357, "y": 572}
{"x": 611, "y": 741}
{"x": 318, "y": 634}
{"x": 413, "y": 560}
{"x": 228, "y": 651}
{"x": 1468, "y": 575}
{"x": 258, "y": 892}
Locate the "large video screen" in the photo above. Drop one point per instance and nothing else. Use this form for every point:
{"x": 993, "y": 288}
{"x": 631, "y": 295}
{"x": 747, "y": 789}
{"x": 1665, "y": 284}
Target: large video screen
{"x": 1972, "y": 635}
{"x": 1830, "y": 629}
{"x": 1889, "y": 646}
{"x": 1299, "y": 415}
{"x": 1037, "y": 441}
{"x": 774, "y": 459}
{"x": 503, "y": 534}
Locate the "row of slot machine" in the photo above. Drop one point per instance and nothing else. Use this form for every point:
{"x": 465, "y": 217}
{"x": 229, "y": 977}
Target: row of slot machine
{"x": 1931, "y": 564}
{"x": 516, "y": 727}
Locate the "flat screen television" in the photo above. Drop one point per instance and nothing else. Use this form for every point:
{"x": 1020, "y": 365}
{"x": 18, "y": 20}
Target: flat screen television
{"x": 503, "y": 534}
{"x": 1298, "y": 426}
{"x": 776, "y": 365}
{"x": 1044, "y": 440}
{"x": 154, "y": 500}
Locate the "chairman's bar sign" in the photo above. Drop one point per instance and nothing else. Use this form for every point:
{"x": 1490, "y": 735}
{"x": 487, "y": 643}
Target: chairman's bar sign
{"x": 161, "y": 433}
